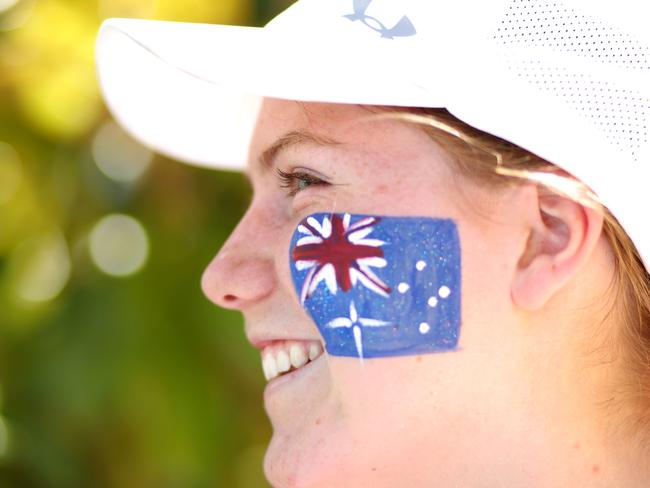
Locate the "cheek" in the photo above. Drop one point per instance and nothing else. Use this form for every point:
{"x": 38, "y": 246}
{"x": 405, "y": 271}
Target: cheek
{"x": 374, "y": 391}
{"x": 489, "y": 263}
{"x": 282, "y": 257}
{"x": 369, "y": 424}
{"x": 388, "y": 414}
{"x": 403, "y": 196}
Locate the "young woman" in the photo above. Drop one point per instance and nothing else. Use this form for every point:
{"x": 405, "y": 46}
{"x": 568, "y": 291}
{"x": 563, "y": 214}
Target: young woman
{"x": 438, "y": 299}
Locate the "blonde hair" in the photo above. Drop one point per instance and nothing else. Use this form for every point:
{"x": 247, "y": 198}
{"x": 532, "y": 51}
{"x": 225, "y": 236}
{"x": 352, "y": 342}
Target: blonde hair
{"x": 492, "y": 160}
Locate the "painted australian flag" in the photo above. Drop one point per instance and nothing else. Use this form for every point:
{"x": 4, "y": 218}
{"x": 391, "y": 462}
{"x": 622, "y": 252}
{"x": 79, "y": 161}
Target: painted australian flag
{"x": 379, "y": 286}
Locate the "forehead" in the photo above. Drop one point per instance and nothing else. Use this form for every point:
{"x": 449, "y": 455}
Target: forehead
{"x": 373, "y": 164}
{"x": 287, "y": 124}
{"x": 278, "y": 118}
{"x": 325, "y": 116}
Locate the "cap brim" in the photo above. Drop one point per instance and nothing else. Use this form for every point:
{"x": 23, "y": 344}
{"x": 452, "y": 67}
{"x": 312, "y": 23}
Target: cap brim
{"x": 192, "y": 91}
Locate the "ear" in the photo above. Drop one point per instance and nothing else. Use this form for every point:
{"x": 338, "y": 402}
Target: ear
{"x": 562, "y": 237}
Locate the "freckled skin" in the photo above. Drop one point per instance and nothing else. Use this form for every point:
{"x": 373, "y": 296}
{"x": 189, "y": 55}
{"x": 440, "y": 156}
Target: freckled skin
{"x": 497, "y": 412}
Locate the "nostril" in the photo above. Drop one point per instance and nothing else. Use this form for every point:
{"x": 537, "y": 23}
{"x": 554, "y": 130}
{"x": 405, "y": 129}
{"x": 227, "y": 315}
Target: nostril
{"x": 237, "y": 281}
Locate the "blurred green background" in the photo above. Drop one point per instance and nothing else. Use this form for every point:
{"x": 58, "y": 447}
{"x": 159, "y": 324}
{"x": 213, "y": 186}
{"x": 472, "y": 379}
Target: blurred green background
{"x": 115, "y": 371}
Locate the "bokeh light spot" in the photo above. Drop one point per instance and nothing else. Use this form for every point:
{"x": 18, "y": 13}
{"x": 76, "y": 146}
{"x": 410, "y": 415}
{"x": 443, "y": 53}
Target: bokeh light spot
{"x": 118, "y": 156}
{"x": 6, "y": 5}
{"x": 43, "y": 267}
{"x": 53, "y": 72}
{"x": 64, "y": 104}
{"x": 119, "y": 245}
{"x": 15, "y": 13}
{"x": 11, "y": 171}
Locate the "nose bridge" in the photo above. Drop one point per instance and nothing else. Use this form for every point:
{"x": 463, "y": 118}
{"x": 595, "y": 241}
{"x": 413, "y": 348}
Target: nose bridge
{"x": 243, "y": 270}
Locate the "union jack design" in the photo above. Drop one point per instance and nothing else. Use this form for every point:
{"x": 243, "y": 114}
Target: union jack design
{"x": 339, "y": 254}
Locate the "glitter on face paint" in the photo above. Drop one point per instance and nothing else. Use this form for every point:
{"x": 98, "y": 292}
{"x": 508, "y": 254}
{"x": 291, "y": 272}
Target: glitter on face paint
{"x": 417, "y": 262}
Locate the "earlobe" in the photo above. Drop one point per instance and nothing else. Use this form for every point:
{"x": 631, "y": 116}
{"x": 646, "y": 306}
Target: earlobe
{"x": 563, "y": 235}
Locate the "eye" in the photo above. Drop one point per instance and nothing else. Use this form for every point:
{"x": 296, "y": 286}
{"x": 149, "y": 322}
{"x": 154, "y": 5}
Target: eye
{"x": 297, "y": 181}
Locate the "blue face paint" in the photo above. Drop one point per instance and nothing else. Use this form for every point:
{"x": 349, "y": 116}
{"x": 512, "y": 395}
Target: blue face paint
{"x": 379, "y": 286}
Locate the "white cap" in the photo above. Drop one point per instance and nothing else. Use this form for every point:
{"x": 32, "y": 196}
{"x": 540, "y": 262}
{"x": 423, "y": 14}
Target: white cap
{"x": 568, "y": 80}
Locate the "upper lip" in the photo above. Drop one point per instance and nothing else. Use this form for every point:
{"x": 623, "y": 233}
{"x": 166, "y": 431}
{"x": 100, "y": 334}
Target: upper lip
{"x": 261, "y": 341}
{"x": 264, "y": 331}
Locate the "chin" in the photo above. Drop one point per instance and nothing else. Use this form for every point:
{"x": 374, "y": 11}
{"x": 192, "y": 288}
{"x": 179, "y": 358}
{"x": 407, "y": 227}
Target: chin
{"x": 288, "y": 464}
{"x": 315, "y": 458}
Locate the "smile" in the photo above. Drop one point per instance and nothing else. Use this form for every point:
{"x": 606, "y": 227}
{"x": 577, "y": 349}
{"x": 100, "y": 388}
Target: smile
{"x": 282, "y": 357}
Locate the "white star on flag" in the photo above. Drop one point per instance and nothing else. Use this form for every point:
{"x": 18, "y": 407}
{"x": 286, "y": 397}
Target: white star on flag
{"x": 356, "y": 323}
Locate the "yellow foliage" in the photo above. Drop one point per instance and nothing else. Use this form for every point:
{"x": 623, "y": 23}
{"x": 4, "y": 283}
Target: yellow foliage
{"x": 210, "y": 11}
{"x": 65, "y": 104}
{"x": 142, "y": 9}
{"x": 54, "y": 72}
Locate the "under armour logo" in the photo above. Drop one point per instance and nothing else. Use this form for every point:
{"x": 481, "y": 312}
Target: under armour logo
{"x": 403, "y": 28}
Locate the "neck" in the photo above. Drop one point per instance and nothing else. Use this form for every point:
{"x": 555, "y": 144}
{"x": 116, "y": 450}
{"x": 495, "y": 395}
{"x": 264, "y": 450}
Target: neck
{"x": 572, "y": 363}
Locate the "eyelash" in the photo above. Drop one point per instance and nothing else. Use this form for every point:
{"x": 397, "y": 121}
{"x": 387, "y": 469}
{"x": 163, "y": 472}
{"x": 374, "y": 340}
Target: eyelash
{"x": 291, "y": 181}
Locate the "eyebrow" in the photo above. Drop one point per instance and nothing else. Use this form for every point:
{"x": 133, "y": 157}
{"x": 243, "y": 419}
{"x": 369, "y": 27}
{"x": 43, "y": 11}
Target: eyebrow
{"x": 292, "y": 139}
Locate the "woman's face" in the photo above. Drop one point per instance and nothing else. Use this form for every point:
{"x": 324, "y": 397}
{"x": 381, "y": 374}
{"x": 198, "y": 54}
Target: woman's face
{"x": 389, "y": 421}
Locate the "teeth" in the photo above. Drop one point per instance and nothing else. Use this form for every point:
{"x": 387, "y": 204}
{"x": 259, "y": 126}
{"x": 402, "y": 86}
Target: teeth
{"x": 282, "y": 360}
{"x": 269, "y": 367}
{"x": 298, "y": 356}
{"x": 315, "y": 350}
{"x": 287, "y": 356}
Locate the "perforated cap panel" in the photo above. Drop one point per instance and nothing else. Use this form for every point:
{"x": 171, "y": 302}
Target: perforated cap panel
{"x": 620, "y": 112}
{"x": 552, "y": 24}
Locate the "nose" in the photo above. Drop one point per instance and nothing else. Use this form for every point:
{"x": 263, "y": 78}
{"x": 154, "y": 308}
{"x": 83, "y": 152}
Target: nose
{"x": 243, "y": 272}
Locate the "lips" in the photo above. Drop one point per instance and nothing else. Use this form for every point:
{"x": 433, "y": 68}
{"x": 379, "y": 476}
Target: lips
{"x": 284, "y": 356}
